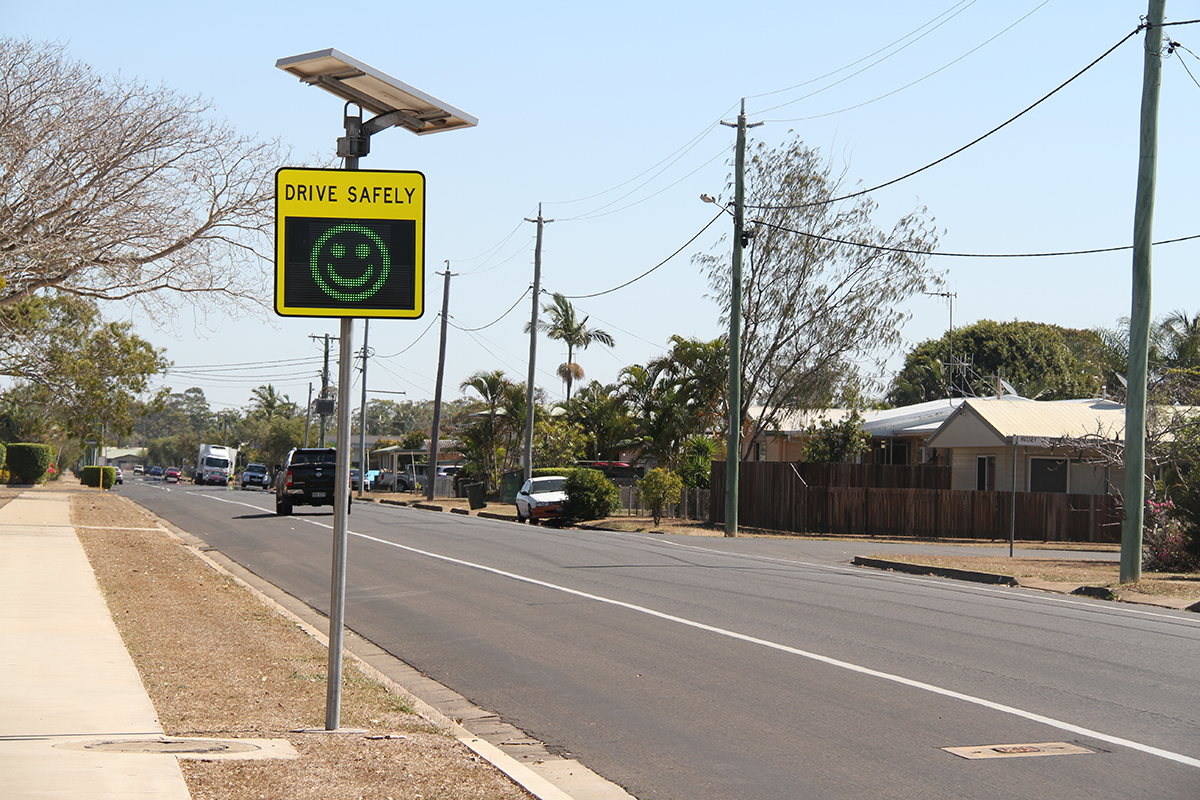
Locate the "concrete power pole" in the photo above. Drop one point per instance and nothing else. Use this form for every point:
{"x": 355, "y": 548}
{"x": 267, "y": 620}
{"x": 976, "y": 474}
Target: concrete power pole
{"x": 1134, "y": 501}
{"x": 537, "y": 290}
{"x": 437, "y": 391}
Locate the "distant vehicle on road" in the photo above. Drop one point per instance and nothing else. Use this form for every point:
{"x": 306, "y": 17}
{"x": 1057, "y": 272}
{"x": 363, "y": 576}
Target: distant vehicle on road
{"x": 155, "y": 473}
{"x": 214, "y": 464}
{"x": 138, "y": 469}
{"x": 541, "y": 498}
{"x": 256, "y": 475}
{"x": 120, "y": 477}
{"x": 171, "y": 475}
{"x": 354, "y": 480}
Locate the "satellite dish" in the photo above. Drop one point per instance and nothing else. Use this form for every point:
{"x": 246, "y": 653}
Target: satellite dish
{"x": 1121, "y": 378}
{"x": 1008, "y": 388}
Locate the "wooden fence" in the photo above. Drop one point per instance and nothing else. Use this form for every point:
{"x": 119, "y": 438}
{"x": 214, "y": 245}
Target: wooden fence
{"x": 774, "y": 496}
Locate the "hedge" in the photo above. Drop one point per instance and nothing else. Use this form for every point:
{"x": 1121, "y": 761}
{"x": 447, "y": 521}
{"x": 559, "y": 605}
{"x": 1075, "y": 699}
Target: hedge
{"x": 28, "y": 463}
{"x": 91, "y": 476}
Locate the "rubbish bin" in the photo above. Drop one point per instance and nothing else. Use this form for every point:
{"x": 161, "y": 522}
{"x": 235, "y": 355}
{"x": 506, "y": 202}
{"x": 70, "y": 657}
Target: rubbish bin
{"x": 475, "y": 495}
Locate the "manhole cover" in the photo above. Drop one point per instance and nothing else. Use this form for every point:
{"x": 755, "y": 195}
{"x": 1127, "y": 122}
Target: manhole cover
{"x": 1018, "y": 750}
{"x": 172, "y": 746}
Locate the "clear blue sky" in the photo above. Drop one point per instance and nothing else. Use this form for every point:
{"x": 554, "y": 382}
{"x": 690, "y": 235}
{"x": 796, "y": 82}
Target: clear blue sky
{"x": 607, "y": 114}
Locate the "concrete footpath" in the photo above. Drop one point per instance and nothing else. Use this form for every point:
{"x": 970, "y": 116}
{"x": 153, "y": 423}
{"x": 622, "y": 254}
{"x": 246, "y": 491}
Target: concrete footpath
{"x": 68, "y": 688}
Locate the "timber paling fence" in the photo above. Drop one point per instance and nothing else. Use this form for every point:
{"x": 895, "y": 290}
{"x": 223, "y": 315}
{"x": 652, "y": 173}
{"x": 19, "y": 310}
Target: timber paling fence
{"x": 874, "y": 501}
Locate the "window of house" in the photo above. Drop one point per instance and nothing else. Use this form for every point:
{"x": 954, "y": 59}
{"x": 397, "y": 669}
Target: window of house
{"x": 985, "y": 473}
{"x": 1048, "y": 475}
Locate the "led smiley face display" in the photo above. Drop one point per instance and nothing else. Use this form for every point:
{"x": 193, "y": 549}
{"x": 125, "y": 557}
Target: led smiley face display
{"x": 356, "y": 265}
{"x": 350, "y": 262}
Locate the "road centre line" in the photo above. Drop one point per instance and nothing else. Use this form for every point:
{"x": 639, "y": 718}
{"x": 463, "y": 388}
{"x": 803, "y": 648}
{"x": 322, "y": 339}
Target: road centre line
{"x": 856, "y": 668}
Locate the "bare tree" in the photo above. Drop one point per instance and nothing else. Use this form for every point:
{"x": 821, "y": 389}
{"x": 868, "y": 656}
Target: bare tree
{"x": 822, "y": 286}
{"x": 111, "y": 189}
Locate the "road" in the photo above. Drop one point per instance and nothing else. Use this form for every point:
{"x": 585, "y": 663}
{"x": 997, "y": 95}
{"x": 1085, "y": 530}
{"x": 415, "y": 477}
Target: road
{"x": 708, "y": 668}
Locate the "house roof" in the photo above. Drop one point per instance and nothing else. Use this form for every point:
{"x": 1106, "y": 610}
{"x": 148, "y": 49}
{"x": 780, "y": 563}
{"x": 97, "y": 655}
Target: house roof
{"x": 990, "y": 423}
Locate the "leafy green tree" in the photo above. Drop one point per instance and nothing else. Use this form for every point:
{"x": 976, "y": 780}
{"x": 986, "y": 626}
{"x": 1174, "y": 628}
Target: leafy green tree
{"x": 823, "y": 285}
{"x": 698, "y": 455}
{"x": 837, "y": 442}
{"x": 556, "y": 441}
{"x": 659, "y": 488}
{"x": 1037, "y": 359}
{"x": 565, "y": 325}
{"x": 677, "y": 396}
{"x": 603, "y": 416}
{"x": 83, "y": 373}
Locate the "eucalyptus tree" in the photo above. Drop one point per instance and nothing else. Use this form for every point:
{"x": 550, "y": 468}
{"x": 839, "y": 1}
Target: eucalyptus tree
{"x": 823, "y": 286}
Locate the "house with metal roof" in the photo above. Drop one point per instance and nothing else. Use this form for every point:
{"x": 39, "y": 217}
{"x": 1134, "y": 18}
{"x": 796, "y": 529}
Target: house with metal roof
{"x": 1069, "y": 446}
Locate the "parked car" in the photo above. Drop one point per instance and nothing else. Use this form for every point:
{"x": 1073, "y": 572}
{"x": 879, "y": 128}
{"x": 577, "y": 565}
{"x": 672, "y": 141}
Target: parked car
{"x": 138, "y": 469}
{"x": 171, "y": 475}
{"x": 354, "y": 479}
{"x": 256, "y": 475}
{"x": 120, "y": 478}
{"x": 541, "y": 498}
{"x": 155, "y": 473}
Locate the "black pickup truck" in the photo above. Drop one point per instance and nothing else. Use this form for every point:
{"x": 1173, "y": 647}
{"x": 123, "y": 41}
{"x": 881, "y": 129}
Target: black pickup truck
{"x": 306, "y": 478}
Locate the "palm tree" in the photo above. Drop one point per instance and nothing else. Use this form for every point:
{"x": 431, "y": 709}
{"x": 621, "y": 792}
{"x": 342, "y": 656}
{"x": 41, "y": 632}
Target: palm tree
{"x": 491, "y": 387}
{"x": 1179, "y": 337}
{"x": 566, "y": 326}
{"x": 267, "y": 402}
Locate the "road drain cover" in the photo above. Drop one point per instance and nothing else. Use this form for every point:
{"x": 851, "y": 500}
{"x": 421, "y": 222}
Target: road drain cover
{"x": 1018, "y": 750}
{"x": 215, "y": 749}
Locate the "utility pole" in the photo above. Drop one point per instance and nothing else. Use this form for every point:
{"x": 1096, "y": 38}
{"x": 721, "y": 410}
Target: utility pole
{"x": 324, "y": 388}
{"x": 537, "y": 290}
{"x": 953, "y": 364}
{"x": 1134, "y": 501}
{"x": 362, "y": 416}
{"x": 437, "y": 391}
{"x": 308, "y": 416}
{"x": 733, "y": 445}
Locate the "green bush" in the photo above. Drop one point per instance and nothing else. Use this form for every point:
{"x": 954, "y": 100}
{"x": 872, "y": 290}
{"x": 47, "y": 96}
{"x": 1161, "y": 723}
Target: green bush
{"x": 27, "y": 463}
{"x": 92, "y": 475}
{"x": 659, "y": 488}
{"x": 590, "y": 495}
{"x": 3, "y": 452}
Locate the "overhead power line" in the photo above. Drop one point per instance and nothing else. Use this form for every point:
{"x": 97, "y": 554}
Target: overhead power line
{"x": 870, "y": 246}
{"x": 970, "y": 144}
{"x": 652, "y": 269}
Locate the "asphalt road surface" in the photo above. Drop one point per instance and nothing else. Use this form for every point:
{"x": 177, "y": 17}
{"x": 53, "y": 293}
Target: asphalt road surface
{"x": 693, "y": 668}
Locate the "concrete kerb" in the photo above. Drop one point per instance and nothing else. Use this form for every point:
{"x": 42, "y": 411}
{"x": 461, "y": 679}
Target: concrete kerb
{"x": 1095, "y": 592}
{"x": 543, "y": 774}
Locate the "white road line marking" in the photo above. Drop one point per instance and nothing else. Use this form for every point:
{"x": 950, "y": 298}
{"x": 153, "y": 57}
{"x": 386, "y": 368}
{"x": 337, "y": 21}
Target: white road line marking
{"x": 833, "y": 662}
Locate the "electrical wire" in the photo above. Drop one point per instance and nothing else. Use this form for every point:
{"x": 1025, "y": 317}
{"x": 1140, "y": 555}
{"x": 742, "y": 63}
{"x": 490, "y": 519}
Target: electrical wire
{"x": 652, "y": 269}
{"x": 502, "y": 316}
{"x": 868, "y": 245}
{"x": 864, "y": 58}
{"x": 970, "y": 144}
{"x": 910, "y": 84}
{"x": 419, "y": 338}
{"x": 1172, "y": 46}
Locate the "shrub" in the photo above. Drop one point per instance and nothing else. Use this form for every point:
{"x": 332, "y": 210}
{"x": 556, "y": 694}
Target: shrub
{"x": 659, "y": 488}
{"x": 1166, "y": 545}
{"x": 590, "y": 495}
{"x": 92, "y": 475}
{"x": 3, "y": 450}
{"x": 27, "y": 463}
